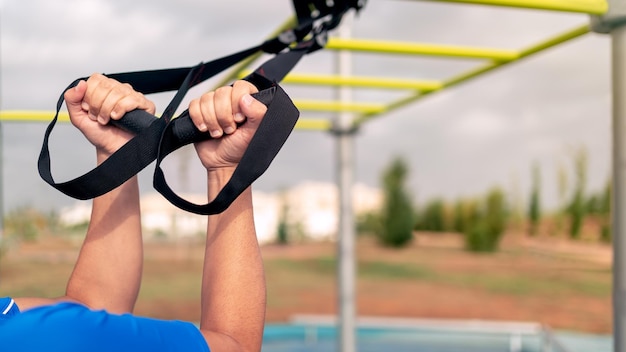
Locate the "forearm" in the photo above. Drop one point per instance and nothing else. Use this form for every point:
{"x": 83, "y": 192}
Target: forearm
{"x": 107, "y": 274}
{"x": 233, "y": 285}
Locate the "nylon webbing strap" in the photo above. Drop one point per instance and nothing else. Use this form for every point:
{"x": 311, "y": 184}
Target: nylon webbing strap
{"x": 155, "y": 138}
{"x": 158, "y": 137}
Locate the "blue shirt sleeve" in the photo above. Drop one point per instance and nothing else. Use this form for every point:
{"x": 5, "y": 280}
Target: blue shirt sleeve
{"x": 8, "y": 307}
{"x": 71, "y": 327}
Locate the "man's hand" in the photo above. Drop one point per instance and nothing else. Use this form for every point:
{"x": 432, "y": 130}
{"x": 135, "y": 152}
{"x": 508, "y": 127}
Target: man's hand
{"x": 223, "y": 113}
{"x": 93, "y": 103}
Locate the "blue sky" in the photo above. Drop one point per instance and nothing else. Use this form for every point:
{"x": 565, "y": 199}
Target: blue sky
{"x": 459, "y": 142}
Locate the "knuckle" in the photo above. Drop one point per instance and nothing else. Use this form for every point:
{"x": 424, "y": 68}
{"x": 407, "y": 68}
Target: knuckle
{"x": 223, "y": 90}
{"x": 241, "y": 84}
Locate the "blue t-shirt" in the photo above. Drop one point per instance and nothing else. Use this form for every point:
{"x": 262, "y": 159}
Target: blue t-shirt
{"x": 71, "y": 327}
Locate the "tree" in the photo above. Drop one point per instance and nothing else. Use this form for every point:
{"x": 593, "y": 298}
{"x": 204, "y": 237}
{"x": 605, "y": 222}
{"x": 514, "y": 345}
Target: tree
{"x": 432, "y": 217}
{"x": 534, "y": 207}
{"x": 466, "y": 213}
{"x": 563, "y": 184}
{"x": 576, "y": 207}
{"x": 397, "y": 214}
{"x": 605, "y": 213}
{"x": 484, "y": 235}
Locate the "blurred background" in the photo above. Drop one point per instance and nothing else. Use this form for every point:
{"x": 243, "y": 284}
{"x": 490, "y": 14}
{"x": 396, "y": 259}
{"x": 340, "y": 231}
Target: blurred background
{"x": 502, "y": 181}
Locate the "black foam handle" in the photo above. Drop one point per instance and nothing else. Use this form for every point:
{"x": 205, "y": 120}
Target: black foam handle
{"x": 183, "y": 128}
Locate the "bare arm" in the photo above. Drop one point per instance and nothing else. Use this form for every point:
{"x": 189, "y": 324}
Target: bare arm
{"x": 233, "y": 284}
{"x": 107, "y": 273}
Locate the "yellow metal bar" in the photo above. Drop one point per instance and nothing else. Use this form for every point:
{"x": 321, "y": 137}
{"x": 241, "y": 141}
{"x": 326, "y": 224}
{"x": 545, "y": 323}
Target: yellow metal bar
{"x": 549, "y": 43}
{"x": 313, "y": 124}
{"x": 387, "y": 47}
{"x": 47, "y": 116}
{"x": 594, "y": 7}
{"x": 335, "y": 106}
{"x": 362, "y": 82}
{"x": 31, "y": 116}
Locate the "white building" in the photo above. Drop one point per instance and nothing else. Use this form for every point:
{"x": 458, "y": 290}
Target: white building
{"x": 311, "y": 210}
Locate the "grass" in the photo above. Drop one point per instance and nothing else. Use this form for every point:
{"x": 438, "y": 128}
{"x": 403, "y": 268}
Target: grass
{"x": 419, "y": 281}
{"x": 592, "y": 283}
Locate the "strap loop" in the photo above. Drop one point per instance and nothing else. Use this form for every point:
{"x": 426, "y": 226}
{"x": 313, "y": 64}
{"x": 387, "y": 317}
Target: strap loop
{"x": 155, "y": 138}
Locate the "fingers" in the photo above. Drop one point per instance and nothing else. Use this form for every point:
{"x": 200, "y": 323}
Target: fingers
{"x": 220, "y": 111}
{"x": 252, "y": 108}
{"x": 107, "y": 99}
{"x": 74, "y": 97}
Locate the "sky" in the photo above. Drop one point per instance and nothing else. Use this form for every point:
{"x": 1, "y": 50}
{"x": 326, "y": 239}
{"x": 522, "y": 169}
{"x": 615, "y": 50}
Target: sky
{"x": 457, "y": 143}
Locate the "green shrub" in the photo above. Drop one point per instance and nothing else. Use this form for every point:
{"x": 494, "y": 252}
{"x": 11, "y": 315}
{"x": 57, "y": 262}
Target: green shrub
{"x": 534, "y": 207}
{"x": 484, "y": 234}
{"x": 369, "y": 223}
{"x": 397, "y": 215}
{"x": 605, "y": 214}
{"x": 466, "y": 213}
{"x": 24, "y": 224}
{"x": 432, "y": 217}
{"x": 576, "y": 208}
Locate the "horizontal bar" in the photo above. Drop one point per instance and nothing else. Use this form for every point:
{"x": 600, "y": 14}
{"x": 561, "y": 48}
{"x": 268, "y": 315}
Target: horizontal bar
{"x": 362, "y": 82}
{"x": 593, "y": 7}
{"x": 336, "y": 106}
{"x": 47, "y": 116}
{"x": 31, "y": 116}
{"x": 313, "y": 124}
{"x": 546, "y": 44}
{"x": 389, "y": 47}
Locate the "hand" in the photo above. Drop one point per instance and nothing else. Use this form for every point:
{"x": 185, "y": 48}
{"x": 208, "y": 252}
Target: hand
{"x": 93, "y": 103}
{"x": 222, "y": 113}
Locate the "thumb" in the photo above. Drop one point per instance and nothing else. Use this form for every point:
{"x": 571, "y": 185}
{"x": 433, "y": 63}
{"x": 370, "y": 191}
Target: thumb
{"x": 74, "y": 98}
{"x": 253, "y": 109}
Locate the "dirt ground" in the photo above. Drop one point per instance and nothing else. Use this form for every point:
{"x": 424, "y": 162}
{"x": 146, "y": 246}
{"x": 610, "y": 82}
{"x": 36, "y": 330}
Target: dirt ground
{"x": 557, "y": 282}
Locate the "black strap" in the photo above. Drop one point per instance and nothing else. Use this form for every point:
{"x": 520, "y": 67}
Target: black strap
{"x": 140, "y": 151}
{"x": 158, "y": 137}
{"x": 155, "y": 138}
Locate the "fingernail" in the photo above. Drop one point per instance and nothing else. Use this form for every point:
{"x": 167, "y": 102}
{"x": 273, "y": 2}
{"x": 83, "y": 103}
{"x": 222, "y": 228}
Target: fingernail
{"x": 229, "y": 130}
{"x": 239, "y": 117}
{"x": 203, "y": 127}
{"x": 216, "y": 133}
{"x": 101, "y": 120}
{"x": 85, "y": 106}
{"x": 247, "y": 99}
{"x": 113, "y": 114}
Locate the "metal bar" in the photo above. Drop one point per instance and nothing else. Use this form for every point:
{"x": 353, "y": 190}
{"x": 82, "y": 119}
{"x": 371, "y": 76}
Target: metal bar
{"x": 388, "y": 47}
{"x": 32, "y": 116}
{"x": 618, "y": 46}
{"x": 362, "y": 82}
{"x": 313, "y": 124}
{"x": 595, "y": 7}
{"x": 46, "y": 116}
{"x": 549, "y": 43}
{"x": 346, "y": 270}
{"x": 338, "y": 106}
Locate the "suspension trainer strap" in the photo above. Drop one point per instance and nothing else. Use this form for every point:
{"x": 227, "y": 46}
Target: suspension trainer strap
{"x": 155, "y": 138}
{"x": 279, "y": 121}
{"x": 140, "y": 151}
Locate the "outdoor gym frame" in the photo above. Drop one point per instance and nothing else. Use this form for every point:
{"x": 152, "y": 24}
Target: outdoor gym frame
{"x": 606, "y": 16}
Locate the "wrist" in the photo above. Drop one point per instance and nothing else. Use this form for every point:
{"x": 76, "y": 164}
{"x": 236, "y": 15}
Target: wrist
{"x": 217, "y": 179}
{"x": 102, "y": 155}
